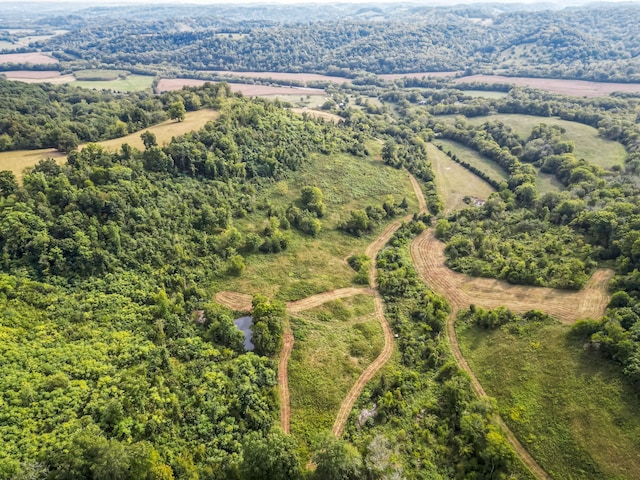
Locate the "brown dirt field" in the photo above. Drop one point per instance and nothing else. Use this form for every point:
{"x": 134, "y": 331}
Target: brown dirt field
{"x": 395, "y": 76}
{"x": 235, "y": 301}
{"x": 31, "y": 74}
{"x": 34, "y": 58}
{"x": 321, "y": 298}
{"x": 283, "y": 379}
{"x": 462, "y": 290}
{"x": 171, "y": 84}
{"x": 577, "y": 88}
{"x": 332, "y": 117}
{"x": 298, "y": 77}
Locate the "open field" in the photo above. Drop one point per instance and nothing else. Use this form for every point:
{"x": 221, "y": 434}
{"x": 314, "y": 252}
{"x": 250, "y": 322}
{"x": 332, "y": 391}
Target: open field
{"x": 298, "y": 77}
{"x": 572, "y": 408}
{"x": 325, "y": 363}
{"x": 314, "y": 265}
{"x": 98, "y": 74}
{"x": 132, "y": 83}
{"x": 463, "y": 290}
{"x": 250, "y": 90}
{"x": 588, "y": 144}
{"x": 390, "y": 77}
{"x": 576, "y": 88}
{"x": 454, "y": 182}
{"x": 38, "y": 76}
{"x": 476, "y": 159}
{"x": 18, "y": 160}
{"x": 34, "y": 58}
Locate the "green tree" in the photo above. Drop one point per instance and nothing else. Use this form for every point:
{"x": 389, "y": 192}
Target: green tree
{"x": 313, "y": 200}
{"x": 177, "y": 111}
{"x": 337, "y": 460}
{"x": 149, "y": 139}
{"x": 270, "y": 457}
{"x": 8, "y": 183}
{"x": 267, "y": 328}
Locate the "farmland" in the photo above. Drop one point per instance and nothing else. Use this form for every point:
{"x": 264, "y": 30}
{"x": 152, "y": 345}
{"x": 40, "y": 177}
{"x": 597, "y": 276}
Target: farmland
{"x": 250, "y": 90}
{"x": 130, "y": 83}
{"x": 32, "y": 58}
{"x": 576, "y": 88}
{"x": 17, "y": 161}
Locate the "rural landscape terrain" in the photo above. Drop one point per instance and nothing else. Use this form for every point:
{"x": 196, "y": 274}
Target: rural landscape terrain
{"x": 350, "y": 241}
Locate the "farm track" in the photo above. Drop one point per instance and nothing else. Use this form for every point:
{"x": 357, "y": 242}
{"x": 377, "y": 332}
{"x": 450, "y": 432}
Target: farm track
{"x": 461, "y": 291}
{"x": 283, "y": 379}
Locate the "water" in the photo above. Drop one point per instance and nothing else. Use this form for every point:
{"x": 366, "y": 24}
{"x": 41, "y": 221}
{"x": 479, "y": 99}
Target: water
{"x": 244, "y": 325}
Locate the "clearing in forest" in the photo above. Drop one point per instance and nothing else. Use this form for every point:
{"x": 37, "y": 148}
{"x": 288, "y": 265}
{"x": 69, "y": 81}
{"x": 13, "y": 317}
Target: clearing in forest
{"x": 247, "y": 89}
{"x": 589, "y": 144}
{"x": 128, "y": 83}
{"x": 296, "y": 77}
{"x": 454, "y": 182}
{"x": 16, "y": 161}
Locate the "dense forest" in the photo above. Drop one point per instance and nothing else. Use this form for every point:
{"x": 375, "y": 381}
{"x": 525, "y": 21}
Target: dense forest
{"x": 596, "y": 42}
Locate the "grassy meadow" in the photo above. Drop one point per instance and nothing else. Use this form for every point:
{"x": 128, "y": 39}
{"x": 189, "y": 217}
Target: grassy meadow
{"x": 334, "y": 343}
{"x": 313, "y": 265}
{"x": 454, "y": 182}
{"x": 469, "y": 155}
{"x": 131, "y": 83}
{"x": 570, "y": 408}
{"x": 588, "y": 144}
{"x": 16, "y": 161}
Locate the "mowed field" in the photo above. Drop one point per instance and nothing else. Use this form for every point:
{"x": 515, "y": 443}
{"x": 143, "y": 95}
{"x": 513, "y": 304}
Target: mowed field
{"x": 588, "y": 143}
{"x": 576, "y": 88}
{"x": 17, "y": 161}
{"x": 454, "y": 182}
{"x": 570, "y": 407}
{"x": 250, "y": 90}
{"x": 34, "y": 58}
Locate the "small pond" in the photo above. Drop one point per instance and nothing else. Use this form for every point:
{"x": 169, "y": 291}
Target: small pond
{"x": 244, "y": 325}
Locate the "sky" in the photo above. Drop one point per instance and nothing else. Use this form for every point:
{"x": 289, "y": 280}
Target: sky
{"x": 213, "y": 2}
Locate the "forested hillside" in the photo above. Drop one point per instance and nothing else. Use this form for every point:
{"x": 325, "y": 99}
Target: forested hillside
{"x": 595, "y": 42}
{"x": 105, "y": 260}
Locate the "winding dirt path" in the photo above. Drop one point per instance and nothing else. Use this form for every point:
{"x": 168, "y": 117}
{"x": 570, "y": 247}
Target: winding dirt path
{"x": 321, "y": 298}
{"x": 283, "y": 379}
{"x": 461, "y": 291}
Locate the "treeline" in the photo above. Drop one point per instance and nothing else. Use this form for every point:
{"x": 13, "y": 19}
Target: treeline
{"x": 472, "y": 168}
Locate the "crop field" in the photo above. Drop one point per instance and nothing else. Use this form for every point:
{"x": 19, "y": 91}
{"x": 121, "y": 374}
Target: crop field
{"x": 250, "y": 90}
{"x": 588, "y": 143}
{"x": 577, "y": 88}
{"x": 395, "y": 76}
{"x": 334, "y": 343}
{"x": 297, "y": 77}
{"x": 313, "y": 265}
{"x": 34, "y": 58}
{"x": 18, "y": 160}
{"x": 454, "y": 182}
{"x": 100, "y": 74}
{"x": 570, "y": 407}
{"x": 132, "y": 83}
